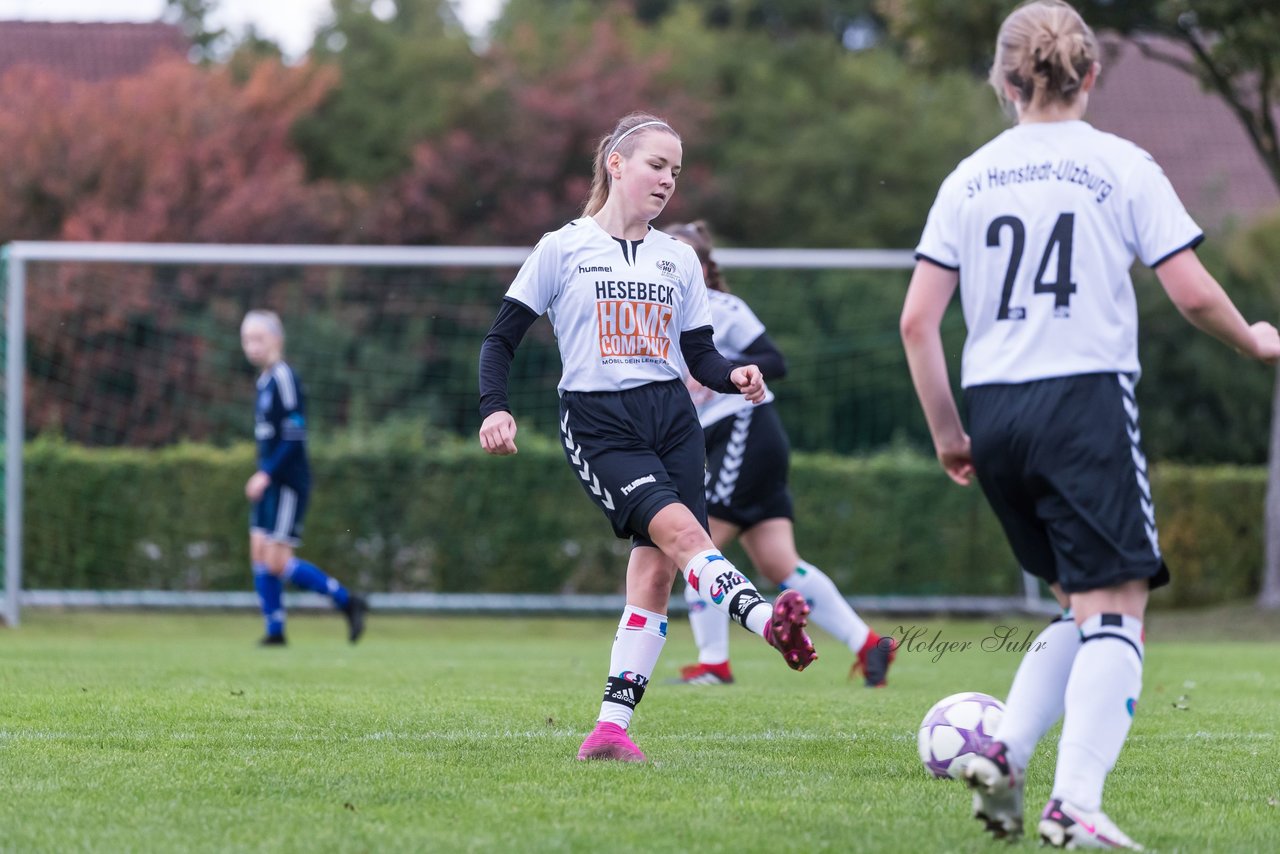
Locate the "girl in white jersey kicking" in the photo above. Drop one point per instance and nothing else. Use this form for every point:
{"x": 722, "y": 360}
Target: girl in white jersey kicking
{"x": 1040, "y": 227}
{"x": 747, "y": 496}
{"x": 627, "y": 303}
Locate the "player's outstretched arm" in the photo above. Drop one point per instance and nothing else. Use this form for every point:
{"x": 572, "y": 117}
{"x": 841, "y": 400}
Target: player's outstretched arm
{"x": 1206, "y": 306}
{"x": 498, "y": 434}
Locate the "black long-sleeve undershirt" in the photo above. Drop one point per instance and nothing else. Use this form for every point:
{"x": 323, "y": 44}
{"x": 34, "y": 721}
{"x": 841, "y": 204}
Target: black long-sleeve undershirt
{"x": 706, "y": 364}
{"x": 499, "y": 348}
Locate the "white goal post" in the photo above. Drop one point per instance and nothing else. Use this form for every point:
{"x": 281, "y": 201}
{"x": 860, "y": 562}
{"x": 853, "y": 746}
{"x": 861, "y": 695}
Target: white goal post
{"x": 17, "y": 255}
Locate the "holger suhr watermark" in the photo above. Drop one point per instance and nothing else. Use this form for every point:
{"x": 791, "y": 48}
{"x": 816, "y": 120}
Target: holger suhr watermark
{"x": 922, "y": 639}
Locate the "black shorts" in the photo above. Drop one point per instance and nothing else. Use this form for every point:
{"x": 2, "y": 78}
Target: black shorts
{"x": 1061, "y": 462}
{"x": 747, "y": 460}
{"x": 278, "y": 514}
{"x": 635, "y": 452}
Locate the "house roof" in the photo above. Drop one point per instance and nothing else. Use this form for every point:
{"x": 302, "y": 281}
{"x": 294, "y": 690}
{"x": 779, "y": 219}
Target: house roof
{"x": 89, "y": 51}
{"x": 1190, "y": 132}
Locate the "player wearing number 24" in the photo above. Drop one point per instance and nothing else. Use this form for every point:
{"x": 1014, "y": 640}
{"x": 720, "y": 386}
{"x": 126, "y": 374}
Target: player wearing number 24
{"x": 1039, "y": 228}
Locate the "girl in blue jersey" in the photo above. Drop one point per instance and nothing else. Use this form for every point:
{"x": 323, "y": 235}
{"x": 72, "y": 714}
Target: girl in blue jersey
{"x": 1039, "y": 228}
{"x": 748, "y": 456}
{"x": 278, "y": 491}
{"x": 629, "y": 308}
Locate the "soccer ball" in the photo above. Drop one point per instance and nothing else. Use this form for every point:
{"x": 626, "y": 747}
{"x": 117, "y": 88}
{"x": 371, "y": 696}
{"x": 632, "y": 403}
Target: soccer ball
{"x": 955, "y": 729}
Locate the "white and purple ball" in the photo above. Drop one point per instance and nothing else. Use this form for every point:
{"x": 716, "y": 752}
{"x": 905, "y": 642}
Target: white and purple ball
{"x": 955, "y": 730}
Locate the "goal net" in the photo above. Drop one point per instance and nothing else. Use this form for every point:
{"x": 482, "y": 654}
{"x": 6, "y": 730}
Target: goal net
{"x": 129, "y": 422}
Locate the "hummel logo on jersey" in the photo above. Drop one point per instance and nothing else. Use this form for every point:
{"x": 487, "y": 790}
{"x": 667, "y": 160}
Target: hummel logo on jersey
{"x": 582, "y": 269}
{"x": 630, "y": 487}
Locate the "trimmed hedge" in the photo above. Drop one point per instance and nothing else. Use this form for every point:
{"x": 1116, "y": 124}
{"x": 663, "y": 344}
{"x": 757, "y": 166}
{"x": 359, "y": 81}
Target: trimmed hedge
{"x": 394, "y": 517}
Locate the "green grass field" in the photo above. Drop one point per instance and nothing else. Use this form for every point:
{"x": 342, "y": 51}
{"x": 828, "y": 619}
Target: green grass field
{"x": 140, "y": 732}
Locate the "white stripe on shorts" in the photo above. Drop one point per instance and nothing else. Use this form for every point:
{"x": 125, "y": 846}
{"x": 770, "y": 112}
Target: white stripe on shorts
{"x": 1147, "y": 506}
{"x": 731, "y": 464}
{"x": 286, "y": 511}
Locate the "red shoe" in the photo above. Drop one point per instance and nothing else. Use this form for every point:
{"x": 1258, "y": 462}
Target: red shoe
{"x": 785, "y": 630}
{"x": 874, "y": 658}
{"x": 705, "y": 674}
{"x": 609, "y": 741}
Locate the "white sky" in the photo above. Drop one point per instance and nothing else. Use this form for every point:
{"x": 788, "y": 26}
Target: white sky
{"x": 291, "y": 23}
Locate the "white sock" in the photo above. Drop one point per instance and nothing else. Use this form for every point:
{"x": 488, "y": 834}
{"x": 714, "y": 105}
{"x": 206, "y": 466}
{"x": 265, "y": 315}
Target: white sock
{"x": 827, "y": 607}
{"x": 712, "y": 576}
{"x": 636, "y": 648}
{"x": 1037, "y": 695}
{"x": 1102, "y": 695}
{"x": 710, "y": 628}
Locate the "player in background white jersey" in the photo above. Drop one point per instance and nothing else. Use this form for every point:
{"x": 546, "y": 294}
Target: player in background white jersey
{"x": 628, "y": 307}
{"x": 748, "y": 457}
{"x": 1040, "y": 227}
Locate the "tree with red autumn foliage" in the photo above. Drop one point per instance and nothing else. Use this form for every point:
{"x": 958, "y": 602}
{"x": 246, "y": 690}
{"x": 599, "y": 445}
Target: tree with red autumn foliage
{"x": 180, "y": 153}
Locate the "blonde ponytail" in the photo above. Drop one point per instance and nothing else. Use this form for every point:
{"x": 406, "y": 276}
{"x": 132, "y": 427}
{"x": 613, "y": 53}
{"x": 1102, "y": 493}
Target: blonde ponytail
{"x": 1044, "y": 51}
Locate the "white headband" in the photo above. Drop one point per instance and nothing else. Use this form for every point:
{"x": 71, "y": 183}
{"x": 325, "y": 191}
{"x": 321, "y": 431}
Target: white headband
{"x": 614, "y": 147}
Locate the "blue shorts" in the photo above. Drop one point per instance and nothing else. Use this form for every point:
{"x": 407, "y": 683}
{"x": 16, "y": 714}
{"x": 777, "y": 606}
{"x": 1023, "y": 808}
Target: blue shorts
{"x": 278, "y": 514}
{"x": 1061, "y": 462}
{"x": 635, "y": 452}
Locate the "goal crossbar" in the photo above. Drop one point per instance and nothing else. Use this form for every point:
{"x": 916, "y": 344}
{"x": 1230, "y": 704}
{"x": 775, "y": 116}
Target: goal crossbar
{"x": 17, "y": 255}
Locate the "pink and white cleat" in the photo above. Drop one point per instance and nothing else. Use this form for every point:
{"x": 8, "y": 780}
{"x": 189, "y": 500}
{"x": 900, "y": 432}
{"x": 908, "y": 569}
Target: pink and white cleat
{"x": 785, "y": 630}
{"x": 1065, "y": 826}
{"x": 610, "y": 741}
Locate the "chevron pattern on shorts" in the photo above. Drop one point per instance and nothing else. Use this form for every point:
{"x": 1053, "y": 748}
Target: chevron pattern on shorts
{"x": 1139, "y": 460}
{"x": 583, "y": 467}
{"x": 721, "y": 492}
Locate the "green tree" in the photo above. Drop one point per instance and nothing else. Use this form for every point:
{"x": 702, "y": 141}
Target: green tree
{"x": 799, "y": 146}
{"x": 182, "y": 153}
{"x": 789, "y": 148}
{"x": 1232, "y": 46}
{"x": 208, "y": 43}
{"x": 1256, "y": 257}
{"x": 403, "y": 78}
{"x": 517, "y": 162}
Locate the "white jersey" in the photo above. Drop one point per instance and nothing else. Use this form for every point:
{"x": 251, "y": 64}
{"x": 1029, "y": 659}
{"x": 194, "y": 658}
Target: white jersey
{"x": 1043, "y": 223}
{"x": 736, "y": 327}
{"x": 617, "y": 307}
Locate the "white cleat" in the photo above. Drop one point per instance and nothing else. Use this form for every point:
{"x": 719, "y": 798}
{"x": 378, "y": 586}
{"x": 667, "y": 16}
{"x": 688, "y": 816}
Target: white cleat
{"x": 997, "y": 792}
{"x": 1065, "y": 826}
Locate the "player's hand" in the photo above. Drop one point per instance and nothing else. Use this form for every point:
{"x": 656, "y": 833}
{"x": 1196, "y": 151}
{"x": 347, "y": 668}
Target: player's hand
{"x": 498, "y": 434}
{"x": 749, "y": 381}
{"x": 957, "y": 459}
{"x": 256, "y": 485}
{"x": 1266, "y": 342}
